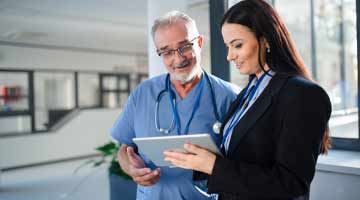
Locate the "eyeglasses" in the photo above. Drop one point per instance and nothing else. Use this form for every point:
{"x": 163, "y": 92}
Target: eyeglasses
{"x": 183, "y": 50}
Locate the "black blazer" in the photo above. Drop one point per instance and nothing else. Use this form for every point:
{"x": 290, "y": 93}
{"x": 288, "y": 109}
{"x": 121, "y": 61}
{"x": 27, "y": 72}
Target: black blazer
{"x": 274, "y": 147}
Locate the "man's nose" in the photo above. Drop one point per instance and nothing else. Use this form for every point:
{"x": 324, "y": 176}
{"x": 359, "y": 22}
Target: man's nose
{"x": 178, "y": 56}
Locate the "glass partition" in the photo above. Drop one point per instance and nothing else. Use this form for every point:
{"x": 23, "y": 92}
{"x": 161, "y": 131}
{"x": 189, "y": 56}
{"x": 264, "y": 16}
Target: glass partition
{"x": 332, "y": 57}
{"x": 54, "y": 97}
{"x": 89, "y": 90}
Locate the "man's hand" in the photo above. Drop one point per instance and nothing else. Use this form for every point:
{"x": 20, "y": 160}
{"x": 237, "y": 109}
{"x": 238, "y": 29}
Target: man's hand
{"x": 135, "y": 167}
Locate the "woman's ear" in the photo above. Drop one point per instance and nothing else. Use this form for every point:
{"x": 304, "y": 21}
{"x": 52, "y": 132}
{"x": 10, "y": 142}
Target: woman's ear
{"x": 265, "y": 43}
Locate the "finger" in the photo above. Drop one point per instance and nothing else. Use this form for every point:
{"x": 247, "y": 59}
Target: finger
{"x": 194, "y": 149}
{"x": 150, "y": 177}
{"x": 176, "y": 162}
{"x": 158, "y": 171}
{"x": 154, "y": 180}
{"x": 149, "y": 183}
{"x": 136, "y": 172}
{"x": 176, "y": 155}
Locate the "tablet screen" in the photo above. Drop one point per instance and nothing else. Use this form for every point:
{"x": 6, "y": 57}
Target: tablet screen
{"x": 153, "y": 147}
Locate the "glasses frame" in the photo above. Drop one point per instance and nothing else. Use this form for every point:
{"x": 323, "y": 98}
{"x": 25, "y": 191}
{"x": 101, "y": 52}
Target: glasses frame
{"x": 180, "y": 50}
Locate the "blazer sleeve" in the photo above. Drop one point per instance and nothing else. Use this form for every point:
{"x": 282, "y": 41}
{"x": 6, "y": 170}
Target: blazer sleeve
{"x": 306, "y": 113}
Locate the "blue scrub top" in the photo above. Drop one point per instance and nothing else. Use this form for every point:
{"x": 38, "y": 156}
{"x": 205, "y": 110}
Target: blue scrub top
{"x": 138, "y": 120}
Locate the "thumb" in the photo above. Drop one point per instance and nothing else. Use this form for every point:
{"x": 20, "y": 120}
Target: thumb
{"x": 134, "y": 159}
{"x": 122, "y": 154}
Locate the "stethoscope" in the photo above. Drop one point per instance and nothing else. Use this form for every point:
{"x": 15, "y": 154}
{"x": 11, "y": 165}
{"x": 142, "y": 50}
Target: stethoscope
{"x": 176, "y": 119}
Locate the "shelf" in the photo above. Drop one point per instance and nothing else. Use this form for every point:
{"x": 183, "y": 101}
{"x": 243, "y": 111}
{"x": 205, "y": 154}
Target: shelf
{"x": 14, "y": 113}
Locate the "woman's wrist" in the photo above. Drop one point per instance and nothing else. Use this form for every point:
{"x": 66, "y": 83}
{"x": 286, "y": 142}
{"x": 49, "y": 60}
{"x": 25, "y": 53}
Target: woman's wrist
{"x": 210, "y": 165}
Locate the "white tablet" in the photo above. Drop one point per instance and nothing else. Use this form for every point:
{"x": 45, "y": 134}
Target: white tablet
{"x": 153, "y": 147}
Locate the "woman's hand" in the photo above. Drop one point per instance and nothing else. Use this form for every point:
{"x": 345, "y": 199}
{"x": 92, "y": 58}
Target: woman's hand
{"x": 197, "y": 158}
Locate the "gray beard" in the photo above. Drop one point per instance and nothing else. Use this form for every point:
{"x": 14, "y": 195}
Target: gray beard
{"x": 186, "y": 77}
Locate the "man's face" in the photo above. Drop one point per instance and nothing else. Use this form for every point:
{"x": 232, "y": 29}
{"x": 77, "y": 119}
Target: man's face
{"x": 182, "y": 64}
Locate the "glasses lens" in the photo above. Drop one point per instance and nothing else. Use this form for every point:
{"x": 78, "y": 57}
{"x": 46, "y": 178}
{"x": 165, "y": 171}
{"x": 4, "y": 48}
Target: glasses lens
{"x": 186, "y": 49}
{"x": 167, "y": 54}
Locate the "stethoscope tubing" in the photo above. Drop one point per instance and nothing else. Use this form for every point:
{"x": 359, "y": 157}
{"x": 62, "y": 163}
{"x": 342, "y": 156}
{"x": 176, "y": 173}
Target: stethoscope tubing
{"x": 172, "y": 98}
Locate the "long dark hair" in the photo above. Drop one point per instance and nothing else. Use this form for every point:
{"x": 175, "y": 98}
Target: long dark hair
{"x": 283, "y": 58}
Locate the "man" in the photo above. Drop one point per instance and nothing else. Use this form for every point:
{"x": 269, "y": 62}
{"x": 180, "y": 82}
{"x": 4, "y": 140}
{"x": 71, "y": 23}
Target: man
{"x": 181, "y": 102}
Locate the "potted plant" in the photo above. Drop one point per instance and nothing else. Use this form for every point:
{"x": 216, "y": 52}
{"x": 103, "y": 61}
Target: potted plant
{"x": 121, "y": 184}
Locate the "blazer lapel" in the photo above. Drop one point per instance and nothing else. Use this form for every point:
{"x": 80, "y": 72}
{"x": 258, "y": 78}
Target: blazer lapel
{"x": 231, "y": 110}
{"x": 228, "y": 114}
{"x": 255, "y": 112}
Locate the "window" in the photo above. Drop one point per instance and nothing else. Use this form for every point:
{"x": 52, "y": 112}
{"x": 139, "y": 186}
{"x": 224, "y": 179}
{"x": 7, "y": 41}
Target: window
{"x": 89, "y": 89}
{"x": 325, "y": 33}
{"x": 54, "y": 97}
{"x": 13, "y": 91}
{"x": 115, "y": 89}
{"x": 329, "y": 29}
{"x": 15, "y": 113}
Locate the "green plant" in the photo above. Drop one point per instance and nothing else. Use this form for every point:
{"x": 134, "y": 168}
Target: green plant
{"x": 108, "y": 154}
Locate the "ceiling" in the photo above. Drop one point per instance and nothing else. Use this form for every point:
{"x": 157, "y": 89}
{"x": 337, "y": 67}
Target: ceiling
{"x": 110, "y": 25}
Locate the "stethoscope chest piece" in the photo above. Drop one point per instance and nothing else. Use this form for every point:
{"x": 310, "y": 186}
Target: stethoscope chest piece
{"x": 216, "y": 127}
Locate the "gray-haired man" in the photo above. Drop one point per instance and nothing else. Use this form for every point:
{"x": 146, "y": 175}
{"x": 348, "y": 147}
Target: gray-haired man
{"x": 189, "y": 101}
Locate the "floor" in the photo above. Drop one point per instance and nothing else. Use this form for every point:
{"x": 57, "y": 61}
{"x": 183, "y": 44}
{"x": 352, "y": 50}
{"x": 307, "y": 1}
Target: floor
{"x": 55, "y": 182}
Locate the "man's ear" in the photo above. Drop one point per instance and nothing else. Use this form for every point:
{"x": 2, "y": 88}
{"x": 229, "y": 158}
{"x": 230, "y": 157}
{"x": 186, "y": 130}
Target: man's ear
{"x": 200, "y": 41}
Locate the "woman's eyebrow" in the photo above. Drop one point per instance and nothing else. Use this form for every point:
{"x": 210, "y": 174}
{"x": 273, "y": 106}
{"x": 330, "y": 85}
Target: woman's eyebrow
{"x": 234, "y": 40}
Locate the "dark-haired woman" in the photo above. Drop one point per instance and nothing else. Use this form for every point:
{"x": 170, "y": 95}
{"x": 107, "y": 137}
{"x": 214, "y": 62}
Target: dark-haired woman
{"x": 277, "y": 127}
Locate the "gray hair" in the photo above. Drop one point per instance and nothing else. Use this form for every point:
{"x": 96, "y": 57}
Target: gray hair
{"x": 173, "y": 17}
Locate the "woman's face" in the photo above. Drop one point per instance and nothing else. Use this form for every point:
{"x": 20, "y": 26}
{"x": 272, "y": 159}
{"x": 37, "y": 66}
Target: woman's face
{"x": 243, "y": 48}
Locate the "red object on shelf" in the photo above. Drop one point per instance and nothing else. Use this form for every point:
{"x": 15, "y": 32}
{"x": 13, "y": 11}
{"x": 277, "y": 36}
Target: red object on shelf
{"x": 10, "y": 93}
{"x": 3, "y": 90}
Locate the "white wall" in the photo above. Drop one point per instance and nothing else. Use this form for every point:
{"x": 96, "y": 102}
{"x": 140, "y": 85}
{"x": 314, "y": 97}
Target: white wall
{"x": 79, "y": 137}
{"x": 35, "y": 58}
{"x": 335, "y": 186}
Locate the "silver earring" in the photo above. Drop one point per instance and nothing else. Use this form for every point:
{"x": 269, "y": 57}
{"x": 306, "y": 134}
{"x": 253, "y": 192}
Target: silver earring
{"x": 268, "y": 50}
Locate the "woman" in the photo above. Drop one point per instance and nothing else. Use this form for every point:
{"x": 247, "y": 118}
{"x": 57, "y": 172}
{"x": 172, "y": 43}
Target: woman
{"x": 276, "y": 128}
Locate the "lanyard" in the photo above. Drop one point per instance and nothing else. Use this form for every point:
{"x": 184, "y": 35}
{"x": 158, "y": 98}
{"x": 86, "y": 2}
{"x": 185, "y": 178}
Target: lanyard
{"x": 247, "y": 96}
{"x": 195, "y": 107}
